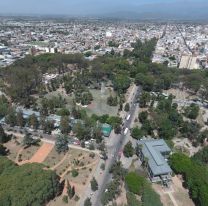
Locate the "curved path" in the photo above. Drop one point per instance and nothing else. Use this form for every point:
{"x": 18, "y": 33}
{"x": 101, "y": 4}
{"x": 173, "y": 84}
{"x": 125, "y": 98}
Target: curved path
{"x": 60, "y": 162}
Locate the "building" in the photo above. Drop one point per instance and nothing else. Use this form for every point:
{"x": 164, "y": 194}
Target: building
{"x": 154, "y": 154}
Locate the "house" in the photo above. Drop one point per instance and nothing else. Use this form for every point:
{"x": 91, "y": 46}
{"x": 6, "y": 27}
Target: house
{"x": 154, "y": 154}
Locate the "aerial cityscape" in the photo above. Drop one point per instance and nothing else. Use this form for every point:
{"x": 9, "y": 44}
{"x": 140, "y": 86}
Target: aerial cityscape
{"x": 104, "y": 103}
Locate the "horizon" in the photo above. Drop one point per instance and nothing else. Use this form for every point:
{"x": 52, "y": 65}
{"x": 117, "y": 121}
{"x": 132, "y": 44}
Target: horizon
{"x": 133, "y": 9}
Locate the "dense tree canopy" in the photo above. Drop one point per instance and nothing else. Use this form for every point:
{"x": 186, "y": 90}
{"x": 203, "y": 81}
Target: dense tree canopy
{"x": 195, "y": 175}
{"x": 201, "y": 156}
{"x": 192, "y": 111}
{"x": 26, "y": 185}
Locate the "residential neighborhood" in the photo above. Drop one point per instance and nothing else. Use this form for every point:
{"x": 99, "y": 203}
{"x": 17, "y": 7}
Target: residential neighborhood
{"x": 103, "y": 111}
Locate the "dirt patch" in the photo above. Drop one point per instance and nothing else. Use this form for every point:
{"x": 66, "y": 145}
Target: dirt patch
{"x": 28, "y": 153}
{"x": 121, "y": 200}
{"x": 14, "y": 146}
{"x": 53, "y": 158}
{"x": 84, "y": 164}
{"x": 176, "y": 195}
{"x": 180, "y": 94}
{"x": 42, "y": 153}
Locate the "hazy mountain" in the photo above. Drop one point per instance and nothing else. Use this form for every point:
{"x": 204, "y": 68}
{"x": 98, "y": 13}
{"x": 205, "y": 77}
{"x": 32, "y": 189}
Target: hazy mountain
{"x": 131, "y": 9}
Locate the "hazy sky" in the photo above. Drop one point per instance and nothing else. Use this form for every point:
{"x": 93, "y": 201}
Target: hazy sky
{"x": 86, "y": 7}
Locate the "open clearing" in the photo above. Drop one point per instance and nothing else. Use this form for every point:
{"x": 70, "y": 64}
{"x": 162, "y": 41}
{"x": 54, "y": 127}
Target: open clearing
{"x": 99, "y": 104}
{"x": 176, "y": 195}
{"x": 73, "y": 159}
{"x": 14, "y": 147}
{"x": 28, "y": 153}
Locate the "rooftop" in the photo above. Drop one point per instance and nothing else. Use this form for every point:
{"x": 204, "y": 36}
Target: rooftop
{"x": 154, "y": 150}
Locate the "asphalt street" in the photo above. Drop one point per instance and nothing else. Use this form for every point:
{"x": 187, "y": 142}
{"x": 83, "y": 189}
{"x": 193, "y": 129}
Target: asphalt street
{"x": 116, "y": 150}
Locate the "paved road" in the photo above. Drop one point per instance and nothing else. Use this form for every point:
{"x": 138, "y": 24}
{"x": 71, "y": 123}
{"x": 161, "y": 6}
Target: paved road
{"x": 114, "y": 151}
{"x": 188, "y": 47}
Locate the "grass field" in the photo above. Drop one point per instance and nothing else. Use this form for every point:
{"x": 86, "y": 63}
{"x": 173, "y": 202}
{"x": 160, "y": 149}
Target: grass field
{"x": 99, "y": 105}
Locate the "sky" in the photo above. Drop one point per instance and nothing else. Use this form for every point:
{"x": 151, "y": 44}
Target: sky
{"x": 195, "y": 8}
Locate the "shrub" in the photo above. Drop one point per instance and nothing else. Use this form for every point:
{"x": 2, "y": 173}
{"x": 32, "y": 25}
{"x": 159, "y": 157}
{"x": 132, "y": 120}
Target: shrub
{"x": 74, "y": 173}
{"x": 65, "y": 199}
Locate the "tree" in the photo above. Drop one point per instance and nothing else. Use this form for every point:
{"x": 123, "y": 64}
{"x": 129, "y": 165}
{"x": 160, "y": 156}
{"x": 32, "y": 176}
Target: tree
{"x": 137, "y": 133}
{"x": 117, "y": 129}
{"x": 82, "y": 132}
{"x": 11, "y": 117}
{"x": 144, "y": 99}
{"x": 33, "y": 121}
{"x": 3, "y": 136}
{"x": 190, "y": 130}
{"x": 148, "y": 127}
{"x": 29, "y": 177}
{"x": 20, "y": 119}
{"x": 117, "y": 170}
{"x": 192, "y": 111}
{"x": 94, "y": 184}
{"x": 195, "y": 176}
{"x": 29, "y": 141}
{"x": 3, "y": 150}
{"x": 47, "y": 126}
{"x": 70, "y": 190}
{"x": 97, "y": 134}
{"x": 112, "y": 101}
{"x": 87, "y": 202}
{"x": 128, "y": 150}
{"x": 88, "y": 54}
{"x": 65, "y": 199}
{"x": 143, "y": 116}
{"x": 4, "y": 106}
{"x": 102, "y": 166}
{"x": 74, "y": 173}
{"x": 201, "y": 156}
{"x": 64, "y": 125}
{"x": 146, "y": 81}
{"x": 61, "y": 144}
{"x": 127, "y": 107}
{"x": 112, "y": 191}
{"x": 166, "y": 129}
{"x": 114, "y": 121}
{"x": 121, "y": 83}
{"x": 63, "y": 112}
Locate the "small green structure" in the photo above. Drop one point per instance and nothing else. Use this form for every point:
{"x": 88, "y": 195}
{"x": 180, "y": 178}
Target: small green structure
{"x": 106, "y": 129}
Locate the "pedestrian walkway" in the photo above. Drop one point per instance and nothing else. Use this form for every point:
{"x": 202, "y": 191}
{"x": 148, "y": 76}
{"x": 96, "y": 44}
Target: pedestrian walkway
{"x": 42, "y": 153}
